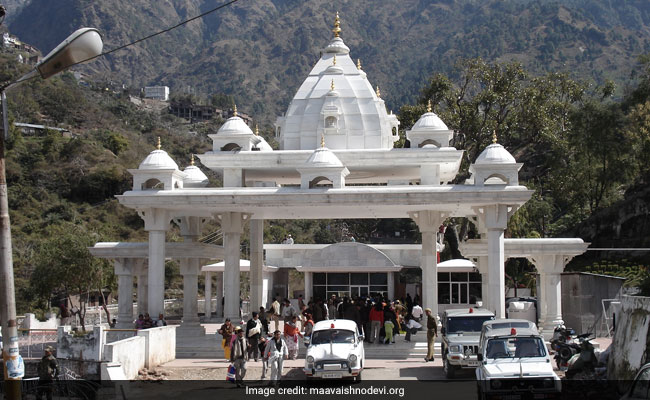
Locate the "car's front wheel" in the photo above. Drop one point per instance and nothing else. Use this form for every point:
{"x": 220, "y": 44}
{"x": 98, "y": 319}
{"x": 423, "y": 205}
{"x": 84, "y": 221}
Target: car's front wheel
{"x": 450, "y": 370}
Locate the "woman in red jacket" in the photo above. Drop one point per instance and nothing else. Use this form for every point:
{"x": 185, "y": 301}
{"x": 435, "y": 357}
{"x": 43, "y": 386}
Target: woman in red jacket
{"x": 376, "y": 318}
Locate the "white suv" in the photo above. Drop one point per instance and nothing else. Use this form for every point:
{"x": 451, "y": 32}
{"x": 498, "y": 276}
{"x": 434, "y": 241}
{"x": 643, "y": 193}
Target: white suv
{"x": 335, "y": 351}
{"x": 514, "y": 362}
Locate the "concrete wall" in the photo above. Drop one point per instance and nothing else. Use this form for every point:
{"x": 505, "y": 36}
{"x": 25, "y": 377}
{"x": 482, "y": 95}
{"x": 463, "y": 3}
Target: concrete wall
{"x": 631, "y": 343}
{"x": 31, "y": 322}
{"x": 88, "y": 347}
{"x": 160, "y": 345}
{"x": 128, "y": 353}
{"x": 582, "y": 295}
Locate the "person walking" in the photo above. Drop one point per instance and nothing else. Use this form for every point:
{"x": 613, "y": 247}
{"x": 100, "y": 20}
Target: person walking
{"x": 275, "y": 313}
{"x": 239, "y": 355}
{"x": 376, "y": 318}
{"x": 291, "y": 333}
{"x": 276, "y": 352}
{"x": 265, "y": 362}
{"x": 48, "y": 370}
{"x": 253, "y": 333}
{"x": 432, "y": 332}
{"x": 226, "y": 332}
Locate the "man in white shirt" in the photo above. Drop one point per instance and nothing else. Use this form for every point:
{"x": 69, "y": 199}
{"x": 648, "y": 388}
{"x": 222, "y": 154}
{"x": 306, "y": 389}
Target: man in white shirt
{"x": 275, "y": 313}
{"x": 417, "y": 312}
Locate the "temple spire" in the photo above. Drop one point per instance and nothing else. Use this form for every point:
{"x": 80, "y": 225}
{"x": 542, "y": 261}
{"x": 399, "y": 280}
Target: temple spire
{"x": 494, "y": 136}
{"x": 322, "y": 140}
{"x": 429, "y": 105}
{"x": 158, "y": 144}
{"x": 378, "y": 92}
{"x": 359, "y": 64}
{"x": 192, "y": 159}
{"x": 337, "y": 26}
{"x": 332, "y": 85}
{"x": 334, "y": 60}
{"x": 234, "y": 110}
{"x": 257, "y": 130}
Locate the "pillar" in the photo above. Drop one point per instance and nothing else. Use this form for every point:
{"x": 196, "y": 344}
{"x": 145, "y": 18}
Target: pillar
{"x": 156, "y": 222}
{"x": 208, "y": 296}
{"x": 190, "y": 325}
{"x": 429, "y": 222}
{"x": 309, "y": 286}
{"x": 482, "y": 263}
{"x": 232, "y": 224}
{"x": 257, "y": 263}
{"x": 496, "y": 220}
{"x": 143, "y": 289}
{"x": 550, "y": 267}
{"x": 124, "y": 268}
{"x": 391, "y": 286}
{"x": 219, "y": 293}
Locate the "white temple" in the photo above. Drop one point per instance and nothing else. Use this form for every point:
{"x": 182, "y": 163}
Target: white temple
{"x": 336, "y": 160}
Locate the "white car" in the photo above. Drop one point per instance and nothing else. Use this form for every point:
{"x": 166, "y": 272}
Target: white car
{"x": 335, "y": 351}
{"x": 514, "y": 362}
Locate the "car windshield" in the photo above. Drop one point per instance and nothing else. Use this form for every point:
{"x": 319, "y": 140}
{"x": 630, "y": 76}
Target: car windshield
{"x": 466, "y": 324}
{"x": 332, "y": 335}
{"x": 515, "y": 347}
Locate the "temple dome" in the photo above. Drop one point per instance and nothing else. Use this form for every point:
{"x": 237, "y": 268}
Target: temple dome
{"x": 495, "y": 154}
{"x": 158, "y": 159}
{"x": 323, "y": 157}
{"x": 234, "y": 126}
{"x": 194, "y": 177}
{"x": 429, "y": 121}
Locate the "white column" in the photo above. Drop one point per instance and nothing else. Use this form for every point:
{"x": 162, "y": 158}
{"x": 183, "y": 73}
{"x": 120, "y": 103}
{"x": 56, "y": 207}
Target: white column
{"x": 208, "y": 296}
{"x": 482, "y": 264}
{"x": 124, "y": 271}
{"x": 550, "y": 267}
{"x": 391, "y": 286}
{"x": 429, "y": 222}
{"x": 257, "y": 262}
{"x": 232, "y": 227}
{"x": 143, "y": 290}
{"x": 156, "y": 222}
{"x": 496, "y": 220}
{"x": 309, "y": 286}
{"x": 219, "y": 293}
{"x": 190, "y": 325}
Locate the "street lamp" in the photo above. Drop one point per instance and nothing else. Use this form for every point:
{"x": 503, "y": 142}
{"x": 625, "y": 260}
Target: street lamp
{"x": 80, "y": 46}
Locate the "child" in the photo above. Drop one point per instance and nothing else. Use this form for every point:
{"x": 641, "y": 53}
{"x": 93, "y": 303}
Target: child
{"x": 388, "y": 328}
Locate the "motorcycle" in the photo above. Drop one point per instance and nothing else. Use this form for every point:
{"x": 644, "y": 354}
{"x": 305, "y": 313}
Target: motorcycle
{"x": 582, "y": 365}
{"x": 566, "y": 344}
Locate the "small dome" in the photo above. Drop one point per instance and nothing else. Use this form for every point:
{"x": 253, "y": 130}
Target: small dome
{"x": 235, "y": 126}
{"x": 158, "y": 159}
{"x": 337, "y": 46}
{"x": 430, "y": 122}
{"x": 194, "y": 177}
{"x": 323, "y": 157}
{"x": 495, "y": 154}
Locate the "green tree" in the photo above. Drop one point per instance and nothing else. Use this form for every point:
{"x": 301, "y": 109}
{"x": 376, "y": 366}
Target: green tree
{"x": 64, "y": 264}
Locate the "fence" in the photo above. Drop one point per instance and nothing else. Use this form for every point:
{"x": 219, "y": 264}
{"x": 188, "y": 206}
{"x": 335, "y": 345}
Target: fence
{"x": 32, "y": 342}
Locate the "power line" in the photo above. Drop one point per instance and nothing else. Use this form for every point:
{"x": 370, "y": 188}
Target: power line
{"x": 158, "y": 33}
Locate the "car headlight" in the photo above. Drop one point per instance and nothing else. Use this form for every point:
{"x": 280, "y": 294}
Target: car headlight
{"x": 310, "y": 360}
{"x": 456, "y": 348}
{"x": 495, "y": 383}
{"x": 352, "y": 358}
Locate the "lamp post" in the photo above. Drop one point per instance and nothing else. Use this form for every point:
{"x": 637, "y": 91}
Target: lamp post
{"x": 81, "y": 45}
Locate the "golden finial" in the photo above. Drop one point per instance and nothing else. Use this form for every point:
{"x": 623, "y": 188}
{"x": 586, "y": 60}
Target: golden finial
{"x": 378, "y": 91}
{"x": 332, "y": 85}
{"x": 429, "y": 105}
{"x": 494, "y": 136}
{"x": 337, "y": 25}
{"x": 257, "y": 130}
{"x": 192, "y": 159}
{"x": 334, "y": 60}
{"x": 234, "y": 111}
{"x": 158, "y": 145}
{"x": 359, "y": 64}
{"x": 322, "y": 140}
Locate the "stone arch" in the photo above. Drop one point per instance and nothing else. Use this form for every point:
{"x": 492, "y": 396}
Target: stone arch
{"x": 317, "y": 182}
{"x": 501, "y": 177}
{"x": 153, "y": 183}
{"x": 231, "y": 147}
{"x": 351, "y": 255}
{"x": 429, "y": 141}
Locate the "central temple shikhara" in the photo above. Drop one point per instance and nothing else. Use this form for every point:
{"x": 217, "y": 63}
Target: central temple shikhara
{"x": 336, "y": 160}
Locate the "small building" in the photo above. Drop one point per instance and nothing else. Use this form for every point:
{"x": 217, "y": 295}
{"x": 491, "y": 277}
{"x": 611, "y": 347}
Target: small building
{"x": 192, "y": 112}
{"x": 157, "y": 92}
{"x": 39, "y": 130}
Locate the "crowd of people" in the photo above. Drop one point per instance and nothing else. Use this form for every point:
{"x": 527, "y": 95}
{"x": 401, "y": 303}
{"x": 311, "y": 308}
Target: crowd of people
{"x": 378, "y": 319}
{"x": 145, "y": 321}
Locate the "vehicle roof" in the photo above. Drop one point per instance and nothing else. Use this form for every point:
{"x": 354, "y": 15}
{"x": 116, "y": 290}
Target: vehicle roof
{"x": 503, "y": 327}
{"x": 465, "y": 312}
{"x": 338, "y": 324}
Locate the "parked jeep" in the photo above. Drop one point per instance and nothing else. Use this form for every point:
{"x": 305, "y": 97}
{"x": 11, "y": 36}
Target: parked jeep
{"x": 514, "y": 362}
{"x": 460, "y": 331}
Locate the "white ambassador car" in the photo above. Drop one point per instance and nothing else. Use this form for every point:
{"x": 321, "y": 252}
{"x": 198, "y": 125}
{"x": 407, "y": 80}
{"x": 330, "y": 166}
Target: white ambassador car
{"x": 335, "y": 351}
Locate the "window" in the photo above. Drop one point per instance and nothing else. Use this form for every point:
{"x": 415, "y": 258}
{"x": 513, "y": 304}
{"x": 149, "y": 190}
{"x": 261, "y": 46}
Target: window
{"x": 459, "y": 287}
{"x": 330, "y": 122}
{"x": 379, "y": 279}
{"x": 359, "y": 279}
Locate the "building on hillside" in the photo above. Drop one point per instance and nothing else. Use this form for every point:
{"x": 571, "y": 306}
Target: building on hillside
{"x": 39, "y": 130}
{"x": 156, "y": 92}
{"x": 192, "y": 112}
{"x": 336, "y": 161}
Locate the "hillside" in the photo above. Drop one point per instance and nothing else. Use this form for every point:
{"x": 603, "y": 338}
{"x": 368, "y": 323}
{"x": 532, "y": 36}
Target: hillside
{"x": 259, "y": 51}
